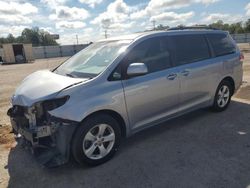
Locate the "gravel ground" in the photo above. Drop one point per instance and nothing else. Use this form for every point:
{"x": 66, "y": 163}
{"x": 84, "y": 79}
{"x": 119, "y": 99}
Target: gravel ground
{"x": 200, "y": 149}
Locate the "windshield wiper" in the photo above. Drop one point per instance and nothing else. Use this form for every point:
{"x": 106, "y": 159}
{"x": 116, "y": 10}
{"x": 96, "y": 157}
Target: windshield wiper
{"x": 70, "y": 75}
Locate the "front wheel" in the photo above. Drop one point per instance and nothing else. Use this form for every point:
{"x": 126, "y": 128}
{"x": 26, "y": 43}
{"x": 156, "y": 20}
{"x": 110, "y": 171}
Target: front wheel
{"x": 223, "y": 96}
{"x": 96, "y": 140}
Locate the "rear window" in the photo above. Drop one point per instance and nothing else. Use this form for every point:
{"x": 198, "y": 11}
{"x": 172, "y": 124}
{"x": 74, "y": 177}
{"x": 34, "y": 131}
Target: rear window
{"x": 189, "y": 48}
{"x": 222, "y": 44}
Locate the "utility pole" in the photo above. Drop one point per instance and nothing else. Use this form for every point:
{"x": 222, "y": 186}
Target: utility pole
{"x": 153, "y": 24}
{"x": 105, "y": 25}
{"x": 106, "y": 34}
{"x": 77, "y": 39}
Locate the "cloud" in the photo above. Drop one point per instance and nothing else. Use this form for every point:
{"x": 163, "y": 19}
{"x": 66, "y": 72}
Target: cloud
{"x": 227, "y": 18}
{"x": 70, "y": 25}
{"x": 69, "y": 13}
{"x": 15, "y": 13}
{"x": 83, "y": 38}
{"x": 116, "y": 12}
{"x": 172, "y": 17}
{"x": 121, "y": 17}
{"x": 248, "y": 9}
{"x": 14, "y": 19}
{"x": 15, "y": 30}
{"x": 207, "y": 2}
{"x": 14, "y": 8}
{"x": 47, "y": 29}
{"x": 116, "y": 17}
{"x": 157, "y": 7}
{"x": 91, "y": 3}
{"x": 52, "y": 4}
{"x": 119, "y": 27}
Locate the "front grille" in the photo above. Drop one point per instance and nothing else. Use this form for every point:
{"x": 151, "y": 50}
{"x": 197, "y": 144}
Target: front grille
{"x": 29, "y": 116}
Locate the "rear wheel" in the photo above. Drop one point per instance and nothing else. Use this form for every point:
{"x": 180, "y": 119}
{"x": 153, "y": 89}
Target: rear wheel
{"x": 223, "y": 96}
{"x": 96, "y": 140}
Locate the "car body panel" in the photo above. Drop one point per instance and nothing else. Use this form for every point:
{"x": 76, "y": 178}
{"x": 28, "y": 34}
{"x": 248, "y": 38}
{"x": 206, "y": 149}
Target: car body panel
{"x": 151, "y": 97}
{"x": 141, "y": 101}
{"x": 107, "y": 96}
{"x": 198, "y": 86}
{"x": 41, "y": 85}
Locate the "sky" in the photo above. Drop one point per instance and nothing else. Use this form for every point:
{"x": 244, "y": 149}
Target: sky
{"x": 88, "y": 19}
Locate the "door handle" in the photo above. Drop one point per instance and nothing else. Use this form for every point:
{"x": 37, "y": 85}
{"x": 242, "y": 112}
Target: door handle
{"x": 185, "y": 72}
{"x": 171, "y": 76}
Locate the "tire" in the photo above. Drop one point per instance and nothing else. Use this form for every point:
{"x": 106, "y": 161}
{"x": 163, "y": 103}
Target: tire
{"x": 91, "y": 145}
{"x": 222, "y": 96}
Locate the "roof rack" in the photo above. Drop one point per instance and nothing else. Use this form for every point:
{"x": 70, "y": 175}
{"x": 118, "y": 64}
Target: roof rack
{"x": 191, "y": 27}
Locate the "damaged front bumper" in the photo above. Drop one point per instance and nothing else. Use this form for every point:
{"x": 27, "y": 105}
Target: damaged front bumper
{"x": 49, "y": 139}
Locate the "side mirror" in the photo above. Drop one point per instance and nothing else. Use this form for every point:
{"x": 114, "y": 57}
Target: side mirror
{"x": 137, "y": 69}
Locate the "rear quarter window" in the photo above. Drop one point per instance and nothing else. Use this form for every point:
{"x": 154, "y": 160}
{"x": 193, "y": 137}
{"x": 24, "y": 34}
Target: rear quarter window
{"x": 222, "y": 44}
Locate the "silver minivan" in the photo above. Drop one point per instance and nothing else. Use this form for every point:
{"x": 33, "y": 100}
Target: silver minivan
{"x": 119, "y": 86}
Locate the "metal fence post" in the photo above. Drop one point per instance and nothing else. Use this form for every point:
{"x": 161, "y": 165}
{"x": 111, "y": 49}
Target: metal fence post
{"x": 60, "y": 48}
{"x": 44, "y": 51}
{"x": 74, "y": 47}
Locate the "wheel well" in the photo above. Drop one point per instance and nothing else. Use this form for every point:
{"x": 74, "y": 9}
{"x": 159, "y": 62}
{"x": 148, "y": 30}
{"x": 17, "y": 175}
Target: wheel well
{"x": 230, "y": 79}
{"x": 113, "y": 114}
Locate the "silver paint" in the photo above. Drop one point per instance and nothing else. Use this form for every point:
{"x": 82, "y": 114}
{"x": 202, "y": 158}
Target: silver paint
{"x": 141, "y": 101}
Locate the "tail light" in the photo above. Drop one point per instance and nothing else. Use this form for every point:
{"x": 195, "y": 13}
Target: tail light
{"x": 241, "y": 57}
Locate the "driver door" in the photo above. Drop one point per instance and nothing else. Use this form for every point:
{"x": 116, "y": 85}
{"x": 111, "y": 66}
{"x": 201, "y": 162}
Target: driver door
{"x": 152, "y": 97}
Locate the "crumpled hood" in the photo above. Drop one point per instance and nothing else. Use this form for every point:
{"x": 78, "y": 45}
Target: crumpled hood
{"x": 41, "y": 85}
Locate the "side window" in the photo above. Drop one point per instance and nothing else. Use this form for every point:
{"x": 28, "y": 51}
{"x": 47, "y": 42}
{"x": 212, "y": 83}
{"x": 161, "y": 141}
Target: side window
{"x": 153, "y": 52}
{"x": 221, "y": 43}
{"x": 189, "y": 48}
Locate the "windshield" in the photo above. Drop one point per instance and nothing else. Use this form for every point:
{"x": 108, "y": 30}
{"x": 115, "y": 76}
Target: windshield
{"x": 93, "y": 60}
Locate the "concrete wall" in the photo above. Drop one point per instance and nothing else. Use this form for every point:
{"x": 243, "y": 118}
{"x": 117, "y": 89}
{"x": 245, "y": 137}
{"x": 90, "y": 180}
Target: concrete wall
{"x": 241, "y": 38}
{"x": 69, "y": 50}
{"x": 56, "y": 51}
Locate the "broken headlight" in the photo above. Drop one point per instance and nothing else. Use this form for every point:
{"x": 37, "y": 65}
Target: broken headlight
{"x": 54, "y": 103}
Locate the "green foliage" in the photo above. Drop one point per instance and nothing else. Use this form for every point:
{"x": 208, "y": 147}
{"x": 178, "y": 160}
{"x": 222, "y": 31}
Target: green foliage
{"x": 247, "y": 26}
{"x": 34, "y": 35}
{"x": 161, "y": 27}
{"x": 234, "y": 28}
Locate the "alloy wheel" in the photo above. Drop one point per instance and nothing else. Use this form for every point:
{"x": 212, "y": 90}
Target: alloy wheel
{"x": 98, "y": 141}
{"x": 223, "y": 96}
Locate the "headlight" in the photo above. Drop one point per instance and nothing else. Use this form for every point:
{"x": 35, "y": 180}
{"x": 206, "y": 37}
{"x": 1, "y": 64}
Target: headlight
{"x": 54, "y": 103}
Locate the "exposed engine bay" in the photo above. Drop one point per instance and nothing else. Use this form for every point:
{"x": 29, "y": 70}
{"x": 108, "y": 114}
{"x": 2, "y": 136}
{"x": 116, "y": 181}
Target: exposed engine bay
{"x": 46, "y": 136}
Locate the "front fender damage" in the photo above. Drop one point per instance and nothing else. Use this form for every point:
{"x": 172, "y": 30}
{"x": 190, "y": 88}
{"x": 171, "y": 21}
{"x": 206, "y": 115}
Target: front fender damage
{"x": 49, "y": 139}
{"x": 60, "y": 153}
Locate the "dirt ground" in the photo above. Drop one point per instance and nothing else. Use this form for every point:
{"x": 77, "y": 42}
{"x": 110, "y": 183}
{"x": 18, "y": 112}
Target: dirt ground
{"x": 201, "y": 149}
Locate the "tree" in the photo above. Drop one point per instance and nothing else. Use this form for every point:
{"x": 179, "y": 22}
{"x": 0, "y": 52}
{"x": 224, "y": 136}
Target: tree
{"x": 31, "y": 35}
{"x": 236, "y": 28}
{"x": 46, "y": 39}
{"x": 218, "y": 25}
{"x": 34, "y": 35}
{"x": 10, "y": 38}
{"x": 247, "y": 26}
{"x": 161, "y": 27}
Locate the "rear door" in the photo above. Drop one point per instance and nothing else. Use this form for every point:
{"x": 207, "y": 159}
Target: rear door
{"x": 153, "y": 96}
{"x": 198, "y": 73}
{"x": 227, "y": 55}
